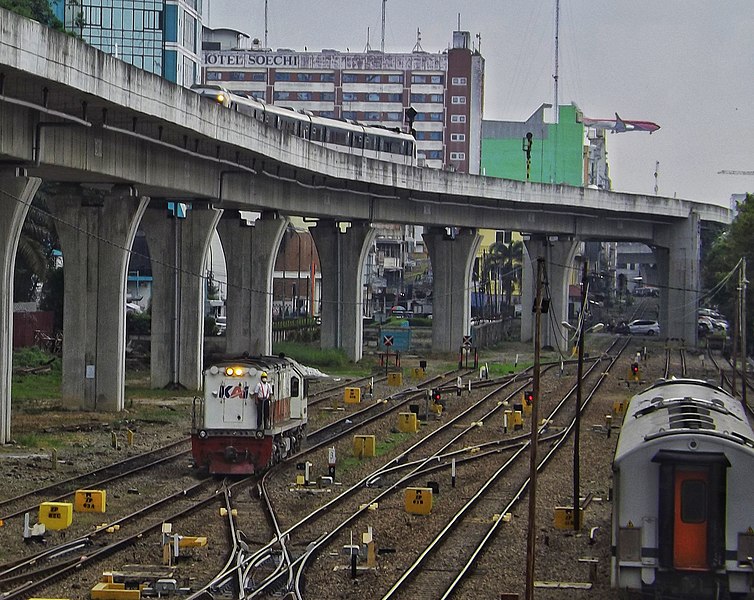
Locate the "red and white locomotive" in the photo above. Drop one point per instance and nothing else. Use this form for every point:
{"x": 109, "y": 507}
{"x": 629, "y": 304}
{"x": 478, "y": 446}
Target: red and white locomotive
{"x": 228, "y": 436}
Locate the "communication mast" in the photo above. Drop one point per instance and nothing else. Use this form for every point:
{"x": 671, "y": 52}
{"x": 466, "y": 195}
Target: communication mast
{"x": 382, "y": 44}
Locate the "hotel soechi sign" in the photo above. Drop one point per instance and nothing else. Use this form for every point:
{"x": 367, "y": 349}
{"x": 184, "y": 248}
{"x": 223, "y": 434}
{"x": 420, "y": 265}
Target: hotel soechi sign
{"x": 249, "y": 59}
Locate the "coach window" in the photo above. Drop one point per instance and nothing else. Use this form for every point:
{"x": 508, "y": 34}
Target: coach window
{"x": 693, "y": 501}
{"x": 294, "y": 387}
{"x": 358, "y": 140}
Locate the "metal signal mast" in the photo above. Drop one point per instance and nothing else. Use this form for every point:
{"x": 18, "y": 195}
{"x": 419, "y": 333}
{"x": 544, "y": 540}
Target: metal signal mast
{"x": 382, "y": 43}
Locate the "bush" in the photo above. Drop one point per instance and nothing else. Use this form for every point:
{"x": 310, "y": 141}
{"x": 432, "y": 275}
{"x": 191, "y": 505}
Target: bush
{"x": 138, "y": 324}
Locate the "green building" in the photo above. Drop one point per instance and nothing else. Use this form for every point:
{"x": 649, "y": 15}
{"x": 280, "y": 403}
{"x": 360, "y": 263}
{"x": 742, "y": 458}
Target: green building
{"x": 558, "y": 152}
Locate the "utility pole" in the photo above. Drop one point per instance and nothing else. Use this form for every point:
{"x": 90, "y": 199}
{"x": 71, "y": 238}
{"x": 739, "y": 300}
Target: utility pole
{"x": 742, "y": 293}
{"x": 577, "y": 418}
{"x": 532, "y": 532}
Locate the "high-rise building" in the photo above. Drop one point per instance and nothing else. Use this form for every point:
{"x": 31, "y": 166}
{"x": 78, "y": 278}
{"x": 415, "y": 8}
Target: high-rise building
{"x": 444, "y": 88}
{"x": 159, "y": 36}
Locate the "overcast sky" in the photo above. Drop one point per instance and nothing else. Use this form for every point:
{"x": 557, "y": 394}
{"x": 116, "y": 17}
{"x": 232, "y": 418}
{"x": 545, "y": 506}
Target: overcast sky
{"x": 687, "y": 65}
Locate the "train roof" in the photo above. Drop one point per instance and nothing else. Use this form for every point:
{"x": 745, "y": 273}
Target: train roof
{"x": 263, "y": 363}
{"x": 677, "y": 407}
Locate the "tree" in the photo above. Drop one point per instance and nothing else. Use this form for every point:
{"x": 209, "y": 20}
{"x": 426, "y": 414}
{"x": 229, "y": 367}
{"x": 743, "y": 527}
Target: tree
{"x": 34, "y": 257}
{"x": 725, "y": 253}
{"x": 39, "y": 10}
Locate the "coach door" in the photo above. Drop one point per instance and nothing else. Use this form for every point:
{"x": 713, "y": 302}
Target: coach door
{"x": 691, "y": 510}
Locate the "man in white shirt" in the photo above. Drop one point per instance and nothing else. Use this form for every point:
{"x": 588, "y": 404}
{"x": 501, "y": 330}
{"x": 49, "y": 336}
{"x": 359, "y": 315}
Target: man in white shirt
{"x": 263, "y": 393}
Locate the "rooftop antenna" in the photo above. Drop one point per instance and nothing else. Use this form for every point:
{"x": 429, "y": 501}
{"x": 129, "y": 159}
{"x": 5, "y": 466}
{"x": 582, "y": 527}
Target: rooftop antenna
{"x": 265, "y": 24}
{"x": 557, "y": 53}
{"x": 382, "y": 43}
{"x": 479, "y": 42}
{"x": 369, "y": 47}
{"x": 418, "y": 46}
{"x": 459, "y": 21}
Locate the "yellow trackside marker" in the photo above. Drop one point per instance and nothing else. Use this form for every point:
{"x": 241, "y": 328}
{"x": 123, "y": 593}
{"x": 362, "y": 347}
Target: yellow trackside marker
{"x": 564, "y": 517}
{"x": 364, "y": 446}
{"x": 56, "y": 515}
{"x": 352, "y": 395}
{"x": 418, "y": 501}
{"x": 90, "y": 501}
{"x": 407, "y": 422}
{"x": 395, "y": 379}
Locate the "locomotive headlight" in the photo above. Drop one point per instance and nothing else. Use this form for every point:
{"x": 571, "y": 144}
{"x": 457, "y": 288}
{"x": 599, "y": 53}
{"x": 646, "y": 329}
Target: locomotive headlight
{"x": 214, "y": 370}
{"x": 229, "y": 371}
{"x": 221, "y": 98}
{"x": 238, "y": 371}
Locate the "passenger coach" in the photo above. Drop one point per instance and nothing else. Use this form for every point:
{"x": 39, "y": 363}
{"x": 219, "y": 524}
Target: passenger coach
{"x": 683, "y": 518}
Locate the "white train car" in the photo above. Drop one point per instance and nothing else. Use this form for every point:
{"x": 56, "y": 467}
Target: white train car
{"x": 683, "y": 517}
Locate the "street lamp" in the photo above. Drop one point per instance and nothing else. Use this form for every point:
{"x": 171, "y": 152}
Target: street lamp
{"x": 580, "y": 333}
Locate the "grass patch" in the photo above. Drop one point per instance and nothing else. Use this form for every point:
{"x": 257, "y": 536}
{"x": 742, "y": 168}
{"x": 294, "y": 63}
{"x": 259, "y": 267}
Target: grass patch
{"x": 391, "y": 441}
{"x": 43, "y": 441}
{"x": 498, "y": 369}
{"x": 333, "y": 361}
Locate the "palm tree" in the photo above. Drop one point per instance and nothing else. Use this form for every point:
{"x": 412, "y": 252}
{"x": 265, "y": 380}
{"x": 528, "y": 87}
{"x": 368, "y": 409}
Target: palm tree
{"x": 34, "y": 254}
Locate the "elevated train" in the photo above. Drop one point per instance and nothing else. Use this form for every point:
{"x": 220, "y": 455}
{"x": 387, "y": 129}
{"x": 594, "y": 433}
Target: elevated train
{"x": 350, "y": 137}
{"x": 226, "y": 437}
{"x": 683, "y": 519}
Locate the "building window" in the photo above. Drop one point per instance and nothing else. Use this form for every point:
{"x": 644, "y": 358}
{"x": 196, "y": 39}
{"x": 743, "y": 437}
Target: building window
{"x": 457, "y": 137}
{"x": 327, "y": 96}
{"x": 458, "y": 100}
{"x": 258, "y": 77}
{"x": 282, "y": 76}
{"x": 373, "y": 116}
{"x": 327, "y": 77}
{"x": 457, "y": 156}
{"x": 281, "y": 96}
{"x": 373, "y": 97}
{"x": 349, "y": 97}
{"x": 304, "y": 77}
{"x": 436, "y": 79}
{"x": 349, "y": 78}
{"x": 435, "y": 98}
{"x": 435, "y": 116}
{"x": 303, "y": 96}
{"x": 349, "y": 114}
{"x": 236, "y": 76}
{"x": 418, "y": 79}
{"x": 394, "y": 116}
{"x": 458, "y": 81}
{"x": 214, "y": 76}
{"x": 457, "y": 118}
{"x": 328, "y": 114}
{"x": 418, "y": 98}
{"x": 372, "y": 78}
{"x": 433, "y": 154}
{"x": 394, "y": 98}
{"x": 395, "y": 78}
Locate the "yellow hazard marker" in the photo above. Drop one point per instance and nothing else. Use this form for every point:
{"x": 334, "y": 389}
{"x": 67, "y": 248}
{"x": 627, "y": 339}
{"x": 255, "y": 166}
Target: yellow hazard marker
{"x": 564, "y": 517}
{"x": 395, "y": 379}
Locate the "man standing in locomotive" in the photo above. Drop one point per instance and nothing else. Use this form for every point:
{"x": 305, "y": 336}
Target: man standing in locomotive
{"x": 263, "y": 393}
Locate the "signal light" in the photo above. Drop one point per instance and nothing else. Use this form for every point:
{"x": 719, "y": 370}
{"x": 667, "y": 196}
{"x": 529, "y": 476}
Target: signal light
{"x": 529, "y": 397}
{"x": 436, "y": 396}
{"x": 635, "y": 368}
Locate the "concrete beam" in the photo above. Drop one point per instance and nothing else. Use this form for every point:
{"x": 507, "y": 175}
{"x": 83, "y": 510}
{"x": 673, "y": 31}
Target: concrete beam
{"x": 16, "y": 194}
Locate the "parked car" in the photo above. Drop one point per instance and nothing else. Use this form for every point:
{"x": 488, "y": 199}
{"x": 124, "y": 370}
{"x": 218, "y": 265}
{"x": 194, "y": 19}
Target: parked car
{"x": 644, "y": 327}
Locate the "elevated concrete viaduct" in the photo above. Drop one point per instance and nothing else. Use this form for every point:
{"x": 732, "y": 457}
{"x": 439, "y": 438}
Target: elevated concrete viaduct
{"x": 69, "y": 113}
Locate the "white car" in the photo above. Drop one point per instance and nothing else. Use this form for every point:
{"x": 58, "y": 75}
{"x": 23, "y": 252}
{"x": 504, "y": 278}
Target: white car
{"x": 644, "y": 326}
